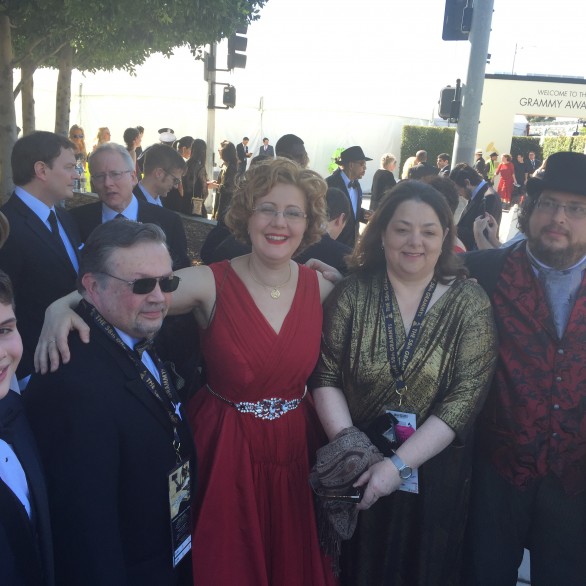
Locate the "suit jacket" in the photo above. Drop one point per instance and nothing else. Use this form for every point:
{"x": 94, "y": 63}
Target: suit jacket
{"x": 486, "y": 200}
{"x": 350, "y": 232}
{"x": 40, "y": 270}
{"x": 242, "y": 158}
{"x": 269, "y": 152}
{"x": 107, "y": 446}
{"x": 445, "y": 172}
{"x": 422, "y": 170}
{"x": 26, "y": 547}
{"x": 89, "y": 217}
{"x": 382, "y": 181}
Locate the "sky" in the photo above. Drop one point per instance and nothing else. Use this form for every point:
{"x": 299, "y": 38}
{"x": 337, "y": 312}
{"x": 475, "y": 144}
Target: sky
{"x": 344, "y": 65}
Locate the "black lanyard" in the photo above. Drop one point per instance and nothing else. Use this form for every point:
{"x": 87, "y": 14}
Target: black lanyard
{"x": 399, "y": 359}
{"x": 145, "y": 375}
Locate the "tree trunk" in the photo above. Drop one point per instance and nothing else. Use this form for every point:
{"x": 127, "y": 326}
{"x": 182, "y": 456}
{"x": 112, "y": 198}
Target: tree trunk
{"x": 27, "y": 97}
{"x": 63, "y": 103}
{"x": 7, "y": 112}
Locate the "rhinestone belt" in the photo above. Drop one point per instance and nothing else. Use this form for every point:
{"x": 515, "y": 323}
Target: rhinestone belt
{"x": 267, "y": 409}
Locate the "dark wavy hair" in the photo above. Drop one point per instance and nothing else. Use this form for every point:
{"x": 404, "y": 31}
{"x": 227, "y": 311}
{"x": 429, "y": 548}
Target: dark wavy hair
{"x": 368, "y": 256}
{"x": 260, "y": 179}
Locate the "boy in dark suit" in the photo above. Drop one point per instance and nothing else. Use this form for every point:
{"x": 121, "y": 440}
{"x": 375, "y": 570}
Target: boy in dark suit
{"x": 26, "y": 555}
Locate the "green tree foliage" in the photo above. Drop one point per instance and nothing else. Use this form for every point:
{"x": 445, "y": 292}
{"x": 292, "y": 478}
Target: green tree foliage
{"x": 101, "y": 35}
{"x": 432, "y": 139}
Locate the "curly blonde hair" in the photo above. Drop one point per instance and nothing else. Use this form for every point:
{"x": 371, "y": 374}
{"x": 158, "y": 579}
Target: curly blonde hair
{"x": 258, "y": 182}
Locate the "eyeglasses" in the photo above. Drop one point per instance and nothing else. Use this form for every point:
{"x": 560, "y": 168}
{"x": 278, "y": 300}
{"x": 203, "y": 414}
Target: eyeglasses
{"x": 572, "y": 210}
{"x": 113, "y": 175}
{"x": 291, "y": 214}
{"x": 147, "y": 284}
{"x": 77, "y": 135}
{"x": 176, "y": 180}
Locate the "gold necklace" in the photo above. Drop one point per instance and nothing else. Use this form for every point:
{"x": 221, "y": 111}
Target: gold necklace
{"x": 275, "y": 293}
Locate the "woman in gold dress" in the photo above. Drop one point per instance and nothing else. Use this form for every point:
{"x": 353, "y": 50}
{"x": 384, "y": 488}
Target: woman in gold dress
{"x": 407, "y": 292}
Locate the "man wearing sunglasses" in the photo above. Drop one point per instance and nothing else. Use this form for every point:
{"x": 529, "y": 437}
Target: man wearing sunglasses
{"x": 529, "y": 483}
{"x": 163, "y": 169}
{"x": 112, "y": 432}
{"x": 113, "y": 179}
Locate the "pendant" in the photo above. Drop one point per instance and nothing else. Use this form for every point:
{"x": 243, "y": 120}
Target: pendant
{"x": 275, "y": 293}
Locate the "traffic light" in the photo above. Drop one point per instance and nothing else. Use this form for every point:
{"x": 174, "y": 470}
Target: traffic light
{"x": 229, "y": 96}
{"x": 457, "y": 20}
{"x": 447, "y": 105}
{"x": 236, "y": 47}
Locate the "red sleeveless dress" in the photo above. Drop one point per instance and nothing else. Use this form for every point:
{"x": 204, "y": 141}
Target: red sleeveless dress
{"x": 254, "y": 516}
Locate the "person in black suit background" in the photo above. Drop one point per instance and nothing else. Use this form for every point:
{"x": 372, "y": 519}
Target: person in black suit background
{"x": 533, "y": 162}
{"x": 266, "y": 150}
{"x": 443, "y": 164}
{"x": 383, "y": 180}
{"x": 481, "y": 198}
{"x": 352, "y": 166}
{"x": 243, "y": 155}
{"x": 163, "y": 169}
{"x": 40, "y": 254}
{"x": 26, "y": 551}
{"x": 109, "y": 424}
{"x": 480, "y": 164}
{"x": 113, "y": 179}
{"x": 421, "y": 168}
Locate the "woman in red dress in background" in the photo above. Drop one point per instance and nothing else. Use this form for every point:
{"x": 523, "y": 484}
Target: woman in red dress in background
{"x": 255, "y": 426}
{"x": 506, "y": 170}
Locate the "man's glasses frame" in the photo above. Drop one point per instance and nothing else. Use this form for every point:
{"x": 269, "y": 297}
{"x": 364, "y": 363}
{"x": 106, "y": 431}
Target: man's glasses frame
{"x": 176, "y": 180}
{"x": 113, "y": 175}
{"x": 574, "y": 211}
{"x": 146, "y": 285}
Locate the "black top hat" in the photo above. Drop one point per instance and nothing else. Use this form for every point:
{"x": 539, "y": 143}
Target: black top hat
{"x": 353, "y": 153}
{"x": 564, "y": 171}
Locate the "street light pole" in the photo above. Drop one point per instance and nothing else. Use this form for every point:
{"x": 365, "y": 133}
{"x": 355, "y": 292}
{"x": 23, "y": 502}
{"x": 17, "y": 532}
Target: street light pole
{"x": 467, "y": 131}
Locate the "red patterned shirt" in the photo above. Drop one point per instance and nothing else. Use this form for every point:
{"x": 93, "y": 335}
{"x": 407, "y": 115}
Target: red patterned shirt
{"x": 534, "y": 420}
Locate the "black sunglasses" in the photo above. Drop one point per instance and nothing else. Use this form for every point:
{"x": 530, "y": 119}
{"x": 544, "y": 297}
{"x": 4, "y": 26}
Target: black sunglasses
{"x": 354, "y": 496}
{"x": 148, "y": 284}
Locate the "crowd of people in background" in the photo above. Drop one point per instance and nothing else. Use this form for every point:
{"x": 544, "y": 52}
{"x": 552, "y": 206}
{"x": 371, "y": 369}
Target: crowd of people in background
{"x": 336, "y": 396}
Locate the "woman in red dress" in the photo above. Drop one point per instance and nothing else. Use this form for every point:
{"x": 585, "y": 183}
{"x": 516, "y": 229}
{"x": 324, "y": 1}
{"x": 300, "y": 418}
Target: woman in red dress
{"x": 506, "y": 170}
{"x": 255, "y": 426}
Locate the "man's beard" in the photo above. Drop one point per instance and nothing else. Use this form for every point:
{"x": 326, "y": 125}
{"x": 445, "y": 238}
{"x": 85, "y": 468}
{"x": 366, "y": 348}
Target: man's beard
{"x": 559, "y": 259}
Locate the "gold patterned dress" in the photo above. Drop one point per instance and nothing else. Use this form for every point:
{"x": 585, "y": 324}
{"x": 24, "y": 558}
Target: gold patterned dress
{"x": 411, "y": 539}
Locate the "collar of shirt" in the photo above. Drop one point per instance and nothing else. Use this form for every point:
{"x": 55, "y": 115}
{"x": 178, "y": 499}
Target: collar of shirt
{"x": 150, "y": 199}
{"x": 477, "y": 189}
{"x": 130, "y": 213}
{"x": 146, "y": 359}
{"x": 351, "y": 191}
{"x": 537, "y": 262}
{"x": 41, "y": 209}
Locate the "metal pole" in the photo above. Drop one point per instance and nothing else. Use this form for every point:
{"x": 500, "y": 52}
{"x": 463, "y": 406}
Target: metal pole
{"x": 211, "y": 134}
{"x": 467, "y": 131}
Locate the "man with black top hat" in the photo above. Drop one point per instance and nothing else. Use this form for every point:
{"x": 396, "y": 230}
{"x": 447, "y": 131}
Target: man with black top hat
{"x": 529, "y": 484}
{"x": 352, "y": 166}
{"x": 113, "y": 435}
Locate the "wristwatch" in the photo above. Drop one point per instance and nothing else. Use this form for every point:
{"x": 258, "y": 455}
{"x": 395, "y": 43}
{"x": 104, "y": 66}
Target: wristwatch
{"x": 405, "y": 471}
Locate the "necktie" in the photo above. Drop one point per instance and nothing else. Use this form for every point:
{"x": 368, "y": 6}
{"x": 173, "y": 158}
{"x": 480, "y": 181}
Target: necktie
{"x": 145, "y": 344}
{"x": 353, "y": 184}
{"x": 55, "y": 232}
{"x": 120, "y": 217}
